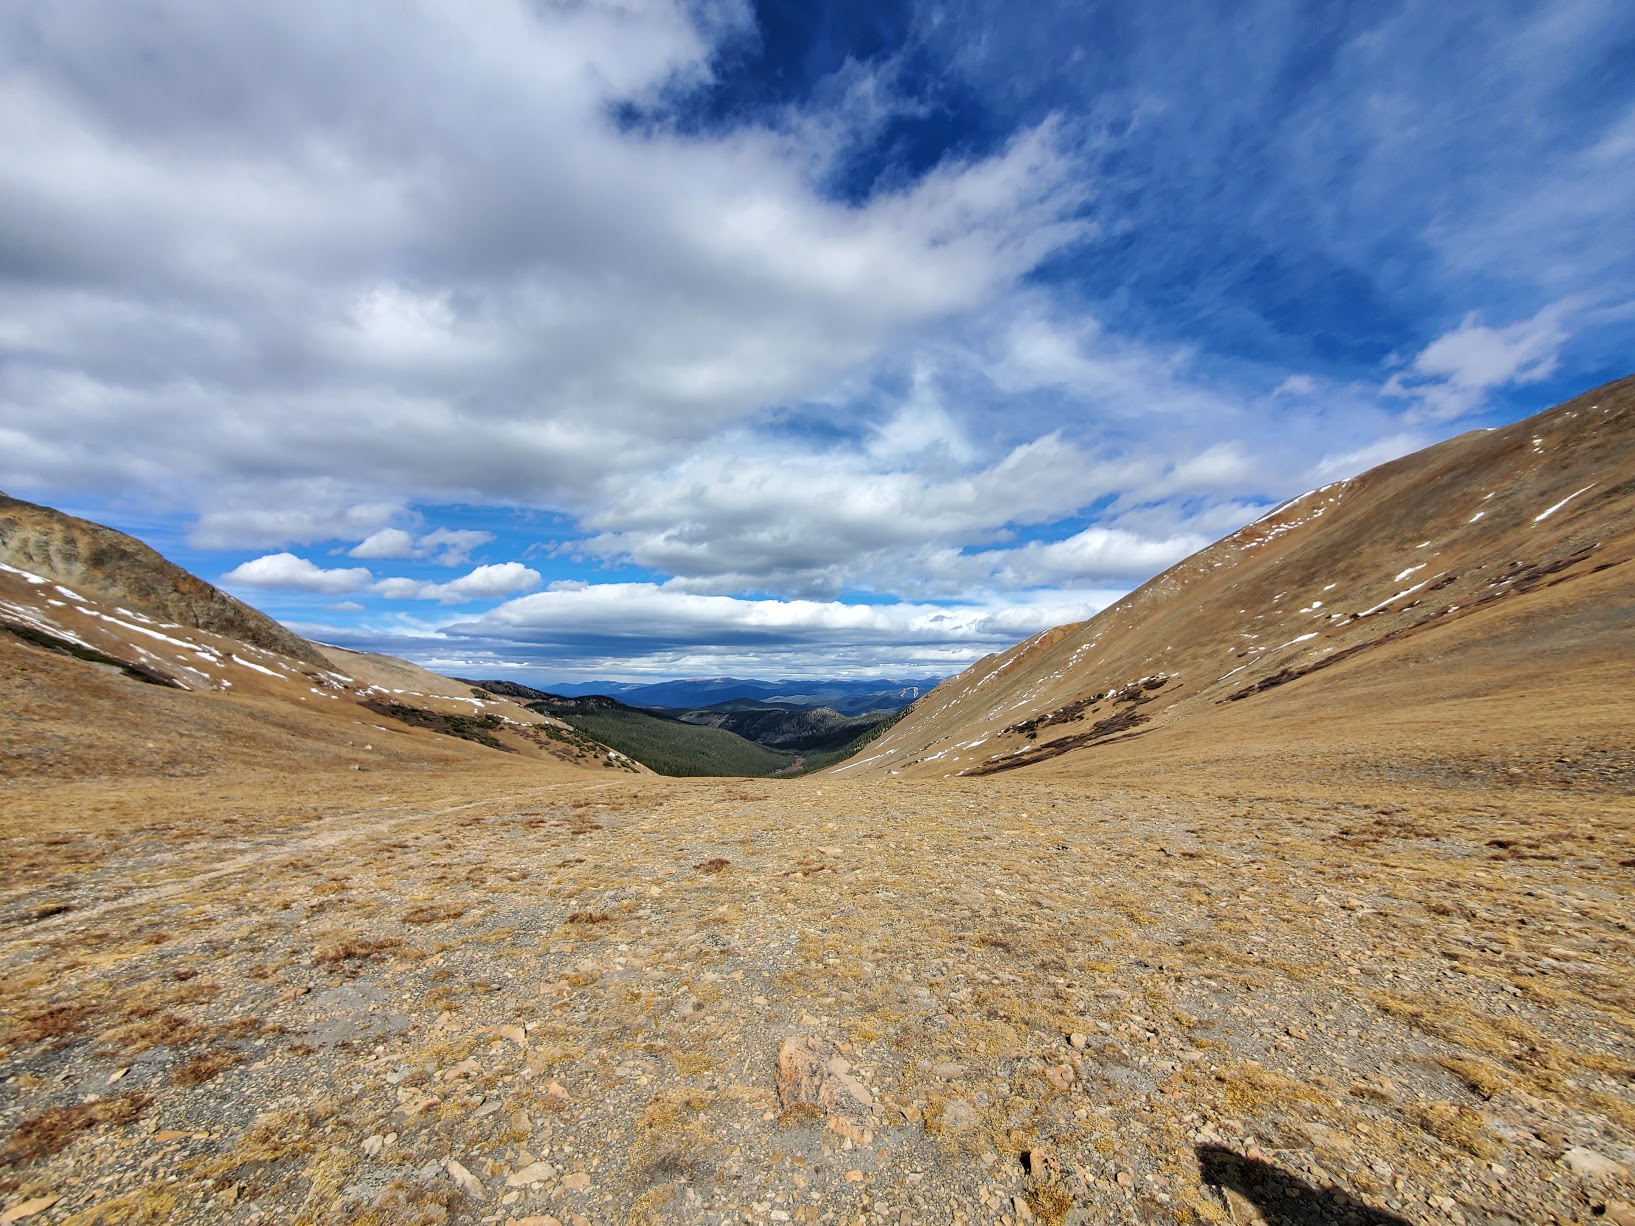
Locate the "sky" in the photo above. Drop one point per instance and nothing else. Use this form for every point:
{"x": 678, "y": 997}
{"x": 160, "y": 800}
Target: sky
{"x": 638, "y": 339}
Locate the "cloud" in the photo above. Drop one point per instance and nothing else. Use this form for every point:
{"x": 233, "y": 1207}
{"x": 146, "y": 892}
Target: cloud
{"x": 453, "y": 546}
{"x": 647, "y": 625}
{"x": 1350, "y": 463}
{"x": 1086, "y": 559}
{"x": 991, "y": 308}
{"x": 387, "y": 543}
{"x": 438, "y": 268}
{"x": 285, "y": 570}
{"x": 1452, "y": 374}
{"x": 290, "y": 512}
{"x": 1295, "y": 385}
{"x": 799, "y": 519}
{"x": 484, "y": 583}
{"x": 443, "y": 546}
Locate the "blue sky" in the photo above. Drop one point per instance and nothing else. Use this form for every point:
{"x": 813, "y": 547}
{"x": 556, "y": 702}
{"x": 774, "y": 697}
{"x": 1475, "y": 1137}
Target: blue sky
{"x": 655, "y": 339}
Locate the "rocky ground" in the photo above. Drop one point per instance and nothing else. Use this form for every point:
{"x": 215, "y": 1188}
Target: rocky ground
{"x": 610, "y": 1000}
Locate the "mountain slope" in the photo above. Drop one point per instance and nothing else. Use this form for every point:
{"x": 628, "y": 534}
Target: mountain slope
{"x": 785, "y": 726}
{"x": 117, "y": 569}
{"x": 114, "y": 663}
{"x": 1463, "y": 609}
{"x": 663, "y": 743}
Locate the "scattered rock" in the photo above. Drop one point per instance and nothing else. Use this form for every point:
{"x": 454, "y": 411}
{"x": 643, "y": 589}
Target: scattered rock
{"x": 465, "y": 1180}
{"x": 537, "y": 1172}
{"x": 1588, "y": 1164}
{"x": 958, "y": 1115}
{"x": 28, "y": 1209}
{"x": 802, "y": 1062}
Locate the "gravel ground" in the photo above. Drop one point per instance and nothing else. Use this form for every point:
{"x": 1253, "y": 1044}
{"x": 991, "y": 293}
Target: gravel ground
{"x": 993, "y": 1001}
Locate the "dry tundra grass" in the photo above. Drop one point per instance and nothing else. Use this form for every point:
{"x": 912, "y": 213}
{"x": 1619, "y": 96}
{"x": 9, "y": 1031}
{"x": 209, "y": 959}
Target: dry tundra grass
{"x": 517, "y": 997}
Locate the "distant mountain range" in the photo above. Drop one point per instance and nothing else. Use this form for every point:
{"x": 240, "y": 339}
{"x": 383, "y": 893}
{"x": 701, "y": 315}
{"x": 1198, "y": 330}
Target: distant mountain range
{"x": 847, "y": 697}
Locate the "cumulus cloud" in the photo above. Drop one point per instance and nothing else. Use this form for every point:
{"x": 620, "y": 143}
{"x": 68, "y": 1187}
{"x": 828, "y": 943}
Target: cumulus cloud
{"x": 1350, "y": 463}
{"x": 634, "y": 630}
{"x": 491, "y": 582}
{"x": 1085, "y": 559}
{"x": 387, "y": 543}
{"x": 802, "y": 519}
{"x": 305, "y": 273}
{"x": 452, "y": 546}
{"x": 286, "y": 571}
{"x": 443, "y": 546}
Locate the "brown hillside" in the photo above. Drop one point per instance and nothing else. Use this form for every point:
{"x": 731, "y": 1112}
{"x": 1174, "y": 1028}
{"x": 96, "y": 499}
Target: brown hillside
{"x": 120, "y": 570}
{"x": 94, "y": 689}
{"x": 1464, "y": 610}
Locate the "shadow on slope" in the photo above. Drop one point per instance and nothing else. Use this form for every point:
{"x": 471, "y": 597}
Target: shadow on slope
{"x": 1277, "y": 1197}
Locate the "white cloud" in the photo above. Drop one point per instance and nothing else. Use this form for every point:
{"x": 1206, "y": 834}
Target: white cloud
{"x": 285, "y": 570}
{"x": 400, "y": 588}
{"x": 616, "y": 630}
{"x": 1087, "y": 558}
{"x": 1350, "y": 463}
{"x": 452, "y": 546}
{"x": 638, "y": 621}
{"x": 387, "y": 543}
{"x": 815, "y": 521}
{"x": 298, "y": 512}
{"x": 1452, "y": 375}
{"x": 1296, "y": 385}
{"x": 443, "y": 546}
{"x": 490, "y": 582}
{"x": 484, "y": 583}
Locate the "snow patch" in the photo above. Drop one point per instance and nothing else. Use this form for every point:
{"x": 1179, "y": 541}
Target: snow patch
{"x": 30, "y": 576}
{"x": 1544, "y": 515}
{"x": 1301, "y": 639}
{"x": 269, "y": 672}
{"x": 1405, "y": 592}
